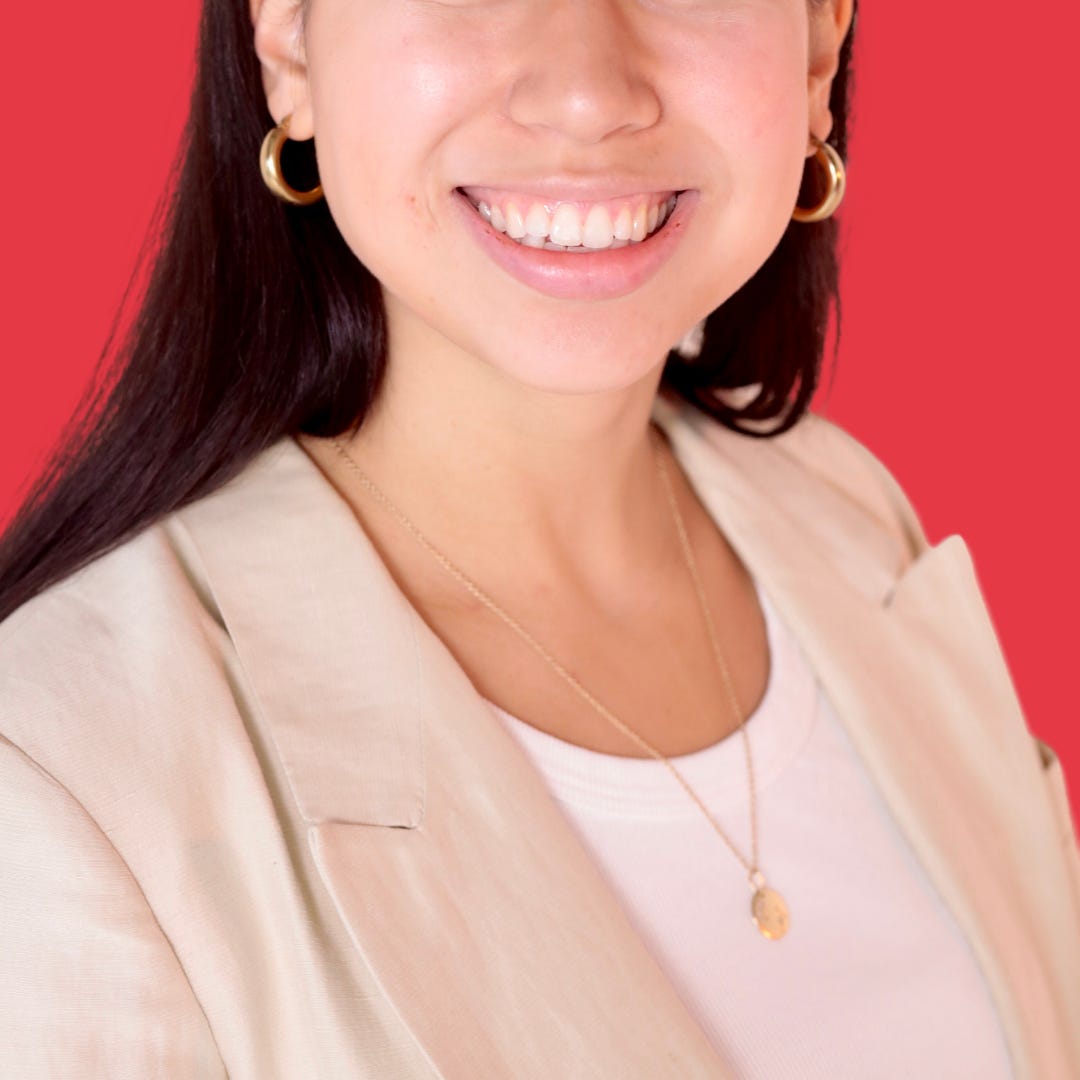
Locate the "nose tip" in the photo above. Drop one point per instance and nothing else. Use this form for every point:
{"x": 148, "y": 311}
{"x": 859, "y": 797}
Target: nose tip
{"x": 584, "y": 75}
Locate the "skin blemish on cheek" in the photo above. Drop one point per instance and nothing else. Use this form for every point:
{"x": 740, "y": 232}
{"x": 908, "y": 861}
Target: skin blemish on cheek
{"x": 412, "y": 205}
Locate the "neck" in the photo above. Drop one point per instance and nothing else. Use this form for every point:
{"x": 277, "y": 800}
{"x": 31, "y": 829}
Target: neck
{"x": 504, "y": 478}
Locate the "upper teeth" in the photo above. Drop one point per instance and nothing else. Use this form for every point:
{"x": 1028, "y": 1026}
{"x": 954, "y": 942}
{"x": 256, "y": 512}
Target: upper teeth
{"x": 591, "y": 226}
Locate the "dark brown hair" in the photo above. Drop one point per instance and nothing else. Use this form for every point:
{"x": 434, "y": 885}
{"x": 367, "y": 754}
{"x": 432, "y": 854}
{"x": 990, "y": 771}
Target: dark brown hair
{"x": 258, "y": 321}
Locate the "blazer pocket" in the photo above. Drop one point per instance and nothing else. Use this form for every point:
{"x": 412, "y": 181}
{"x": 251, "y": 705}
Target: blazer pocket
{"x": 1054, "y": 774}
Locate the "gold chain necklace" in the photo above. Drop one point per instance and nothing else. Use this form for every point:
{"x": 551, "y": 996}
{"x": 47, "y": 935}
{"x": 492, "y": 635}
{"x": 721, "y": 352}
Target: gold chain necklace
{"x": 767, "y": 907}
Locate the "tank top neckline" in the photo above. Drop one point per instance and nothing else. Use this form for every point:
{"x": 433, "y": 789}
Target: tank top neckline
{"x": 645, "y": 788}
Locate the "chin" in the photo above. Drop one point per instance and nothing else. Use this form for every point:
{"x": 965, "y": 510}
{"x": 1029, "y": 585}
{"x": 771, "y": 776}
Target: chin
{"x": 564, "y": 371}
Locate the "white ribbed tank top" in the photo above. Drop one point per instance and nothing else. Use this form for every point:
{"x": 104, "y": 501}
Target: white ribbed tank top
{"x": 874, "y": 979}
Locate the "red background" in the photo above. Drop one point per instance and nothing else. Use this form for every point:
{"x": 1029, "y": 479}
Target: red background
{"x": 959, "y": 358}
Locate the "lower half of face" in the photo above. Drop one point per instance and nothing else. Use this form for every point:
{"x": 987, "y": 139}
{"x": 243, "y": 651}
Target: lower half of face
{"x": 559, "y": 190}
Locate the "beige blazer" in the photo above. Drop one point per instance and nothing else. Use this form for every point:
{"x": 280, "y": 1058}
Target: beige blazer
{"x": 255, "y": 820}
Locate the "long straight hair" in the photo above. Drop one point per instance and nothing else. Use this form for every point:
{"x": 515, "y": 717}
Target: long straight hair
{"x": 258, "y": 321}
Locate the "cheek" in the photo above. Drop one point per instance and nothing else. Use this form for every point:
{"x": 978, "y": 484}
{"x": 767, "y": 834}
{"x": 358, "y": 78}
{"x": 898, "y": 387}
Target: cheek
{"x": 743, "y": 89}
{"x": 747, "y": 86}
{"x": 384, "y": 93}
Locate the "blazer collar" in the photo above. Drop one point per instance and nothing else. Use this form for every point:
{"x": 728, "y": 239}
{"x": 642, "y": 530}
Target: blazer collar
{"x": 478, "y": 909}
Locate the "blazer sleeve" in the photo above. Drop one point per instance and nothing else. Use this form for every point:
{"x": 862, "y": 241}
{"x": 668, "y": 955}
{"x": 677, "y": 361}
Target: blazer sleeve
{"x": 89, "y": 984}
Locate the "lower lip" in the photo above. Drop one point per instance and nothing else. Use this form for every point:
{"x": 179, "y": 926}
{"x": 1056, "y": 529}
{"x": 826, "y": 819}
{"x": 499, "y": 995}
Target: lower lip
{"x": 595, "y": 275}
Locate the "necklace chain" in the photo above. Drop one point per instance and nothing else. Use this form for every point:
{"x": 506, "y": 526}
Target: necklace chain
{"x": 755, "y": 876}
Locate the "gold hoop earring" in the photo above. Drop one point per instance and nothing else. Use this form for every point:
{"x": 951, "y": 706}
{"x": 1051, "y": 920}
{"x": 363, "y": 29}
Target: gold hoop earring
{"x": 833, "y": 164}
{"x": 270, "y": 167}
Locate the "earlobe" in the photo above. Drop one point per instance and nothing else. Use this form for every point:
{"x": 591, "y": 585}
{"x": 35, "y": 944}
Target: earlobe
{"x": 279, "y": 45}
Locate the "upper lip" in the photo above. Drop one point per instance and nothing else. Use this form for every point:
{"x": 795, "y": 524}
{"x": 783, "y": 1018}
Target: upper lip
{"x": 579, "y": 189}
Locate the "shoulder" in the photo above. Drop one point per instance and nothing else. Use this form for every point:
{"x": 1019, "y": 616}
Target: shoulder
{"x": 141, "y": 617}
{"x": 127, "y": 670}
{"x": 119, "y": 604}
{"x": 115, "y": 662}
{"x": 817, "y": 482}
{"x": 836, "y": 457}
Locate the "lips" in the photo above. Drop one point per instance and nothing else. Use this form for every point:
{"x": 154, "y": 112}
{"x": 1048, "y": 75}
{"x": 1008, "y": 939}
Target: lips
{"x": 585, "y": 274}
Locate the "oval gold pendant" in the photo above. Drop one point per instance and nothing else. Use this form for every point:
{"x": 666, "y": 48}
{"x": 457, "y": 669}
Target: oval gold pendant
{"x": 770, "y": 913}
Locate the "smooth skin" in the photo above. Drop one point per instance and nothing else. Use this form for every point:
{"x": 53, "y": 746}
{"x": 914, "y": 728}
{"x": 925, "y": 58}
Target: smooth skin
{"x": 513, "y": 427}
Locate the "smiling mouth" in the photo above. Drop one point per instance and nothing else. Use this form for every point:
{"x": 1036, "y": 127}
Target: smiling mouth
{"x": 575, "y": 227}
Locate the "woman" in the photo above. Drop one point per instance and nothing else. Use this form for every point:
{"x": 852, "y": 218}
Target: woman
{"x": 401, "y": 673}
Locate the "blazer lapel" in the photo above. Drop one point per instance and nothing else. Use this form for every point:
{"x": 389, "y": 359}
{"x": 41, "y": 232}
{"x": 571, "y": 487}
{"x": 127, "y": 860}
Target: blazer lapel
{"x": 916, "y": 675}
{"x": 465, "y": 890}
{"x": 488, "y": 923}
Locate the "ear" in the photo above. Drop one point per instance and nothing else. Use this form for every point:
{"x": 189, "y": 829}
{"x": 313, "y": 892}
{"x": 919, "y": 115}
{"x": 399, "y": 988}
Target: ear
{"x": 830, "y": 21}
{"x": 279, "y": 45}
